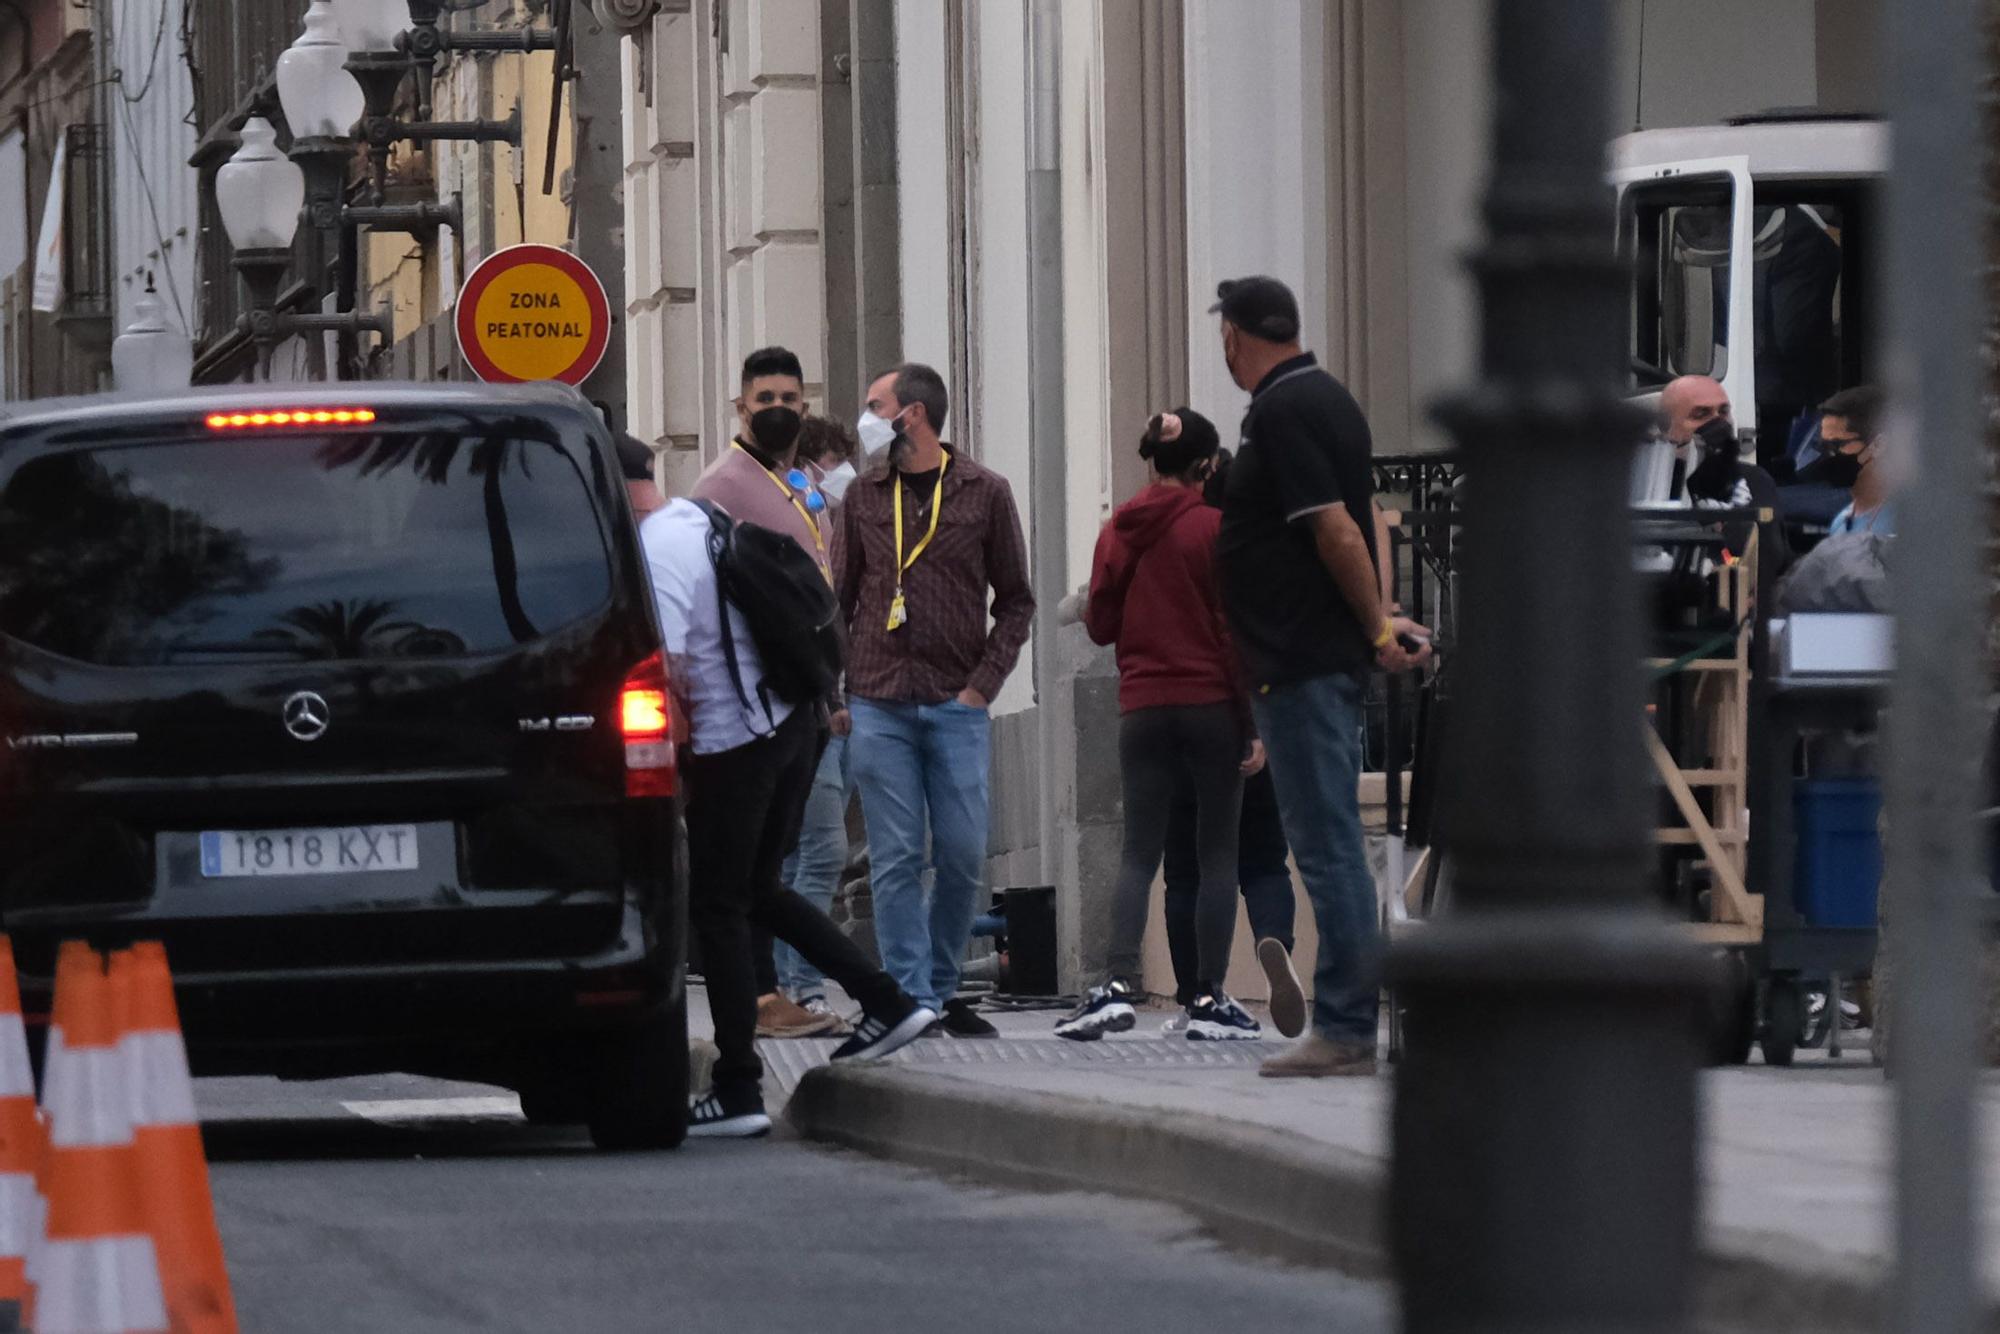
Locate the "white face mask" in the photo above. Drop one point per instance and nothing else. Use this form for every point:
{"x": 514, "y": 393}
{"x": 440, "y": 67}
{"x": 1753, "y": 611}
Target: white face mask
{"x": 876, "y": 433}
{"x": 834, "y": 484}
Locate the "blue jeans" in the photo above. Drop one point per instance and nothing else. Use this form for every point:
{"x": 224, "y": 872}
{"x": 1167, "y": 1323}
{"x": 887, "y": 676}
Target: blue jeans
{"x": 813, "y": 870}
{"x": 1312, "y": 733}
{"x": 923, "y": 768}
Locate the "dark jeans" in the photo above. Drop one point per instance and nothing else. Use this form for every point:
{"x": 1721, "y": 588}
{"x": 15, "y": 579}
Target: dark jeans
{"x": 1262, "y": 873}
{"x": 1160, "y": 749}
{"x": 743, "y": 812}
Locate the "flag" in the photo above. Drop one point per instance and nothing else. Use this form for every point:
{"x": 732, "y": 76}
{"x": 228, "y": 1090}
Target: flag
{"x": 49, "y": 244}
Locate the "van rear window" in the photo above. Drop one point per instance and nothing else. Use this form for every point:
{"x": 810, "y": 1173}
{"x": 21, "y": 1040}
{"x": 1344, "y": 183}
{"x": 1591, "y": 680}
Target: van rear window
{"x": 277, "y": 547}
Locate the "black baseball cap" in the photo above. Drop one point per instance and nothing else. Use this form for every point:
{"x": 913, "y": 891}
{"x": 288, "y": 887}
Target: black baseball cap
{"x": 635, "y": 460}
{"x": 1261, "y": 307}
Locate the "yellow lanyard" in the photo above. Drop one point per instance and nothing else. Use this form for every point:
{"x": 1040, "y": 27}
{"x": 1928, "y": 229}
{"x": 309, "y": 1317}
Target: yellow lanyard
{"x": 812, "y": 525}
{"x": 898, "y": 612}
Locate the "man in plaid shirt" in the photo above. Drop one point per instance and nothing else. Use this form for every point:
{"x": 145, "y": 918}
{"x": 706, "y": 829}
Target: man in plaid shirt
{"x": 924, "y": 541}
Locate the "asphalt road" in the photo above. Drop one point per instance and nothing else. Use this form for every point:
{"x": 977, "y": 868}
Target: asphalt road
{"x": 399, "y": 1204}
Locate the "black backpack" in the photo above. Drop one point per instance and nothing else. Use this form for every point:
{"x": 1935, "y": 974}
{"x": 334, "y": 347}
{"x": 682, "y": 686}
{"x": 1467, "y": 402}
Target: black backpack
{"x": 793, "y": 616}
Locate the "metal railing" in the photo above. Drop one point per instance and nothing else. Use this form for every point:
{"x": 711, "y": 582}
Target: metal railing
{"x": 87, "y": 286}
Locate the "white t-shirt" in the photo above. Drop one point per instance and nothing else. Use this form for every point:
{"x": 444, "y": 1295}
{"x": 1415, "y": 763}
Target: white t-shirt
{"x": 684, "y": 589}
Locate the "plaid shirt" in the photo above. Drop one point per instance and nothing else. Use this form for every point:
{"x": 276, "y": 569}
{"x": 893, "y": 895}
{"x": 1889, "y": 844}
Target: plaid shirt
{"x": 946, "y": 646}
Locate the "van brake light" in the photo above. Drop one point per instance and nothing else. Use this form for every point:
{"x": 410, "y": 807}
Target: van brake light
{"x": 237, "y": 421}
{"x": 646, "y": 719}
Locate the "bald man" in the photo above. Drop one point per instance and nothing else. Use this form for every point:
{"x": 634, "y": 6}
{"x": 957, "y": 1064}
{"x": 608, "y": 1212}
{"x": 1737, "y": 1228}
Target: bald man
{"x": 1690, "y": 403}
{"x": 1694, "y": 461}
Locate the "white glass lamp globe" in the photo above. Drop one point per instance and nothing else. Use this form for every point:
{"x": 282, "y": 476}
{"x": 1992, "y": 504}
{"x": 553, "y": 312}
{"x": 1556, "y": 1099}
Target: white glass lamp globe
{"x": 259, "y": 191}
{"x": 320, "y": 98}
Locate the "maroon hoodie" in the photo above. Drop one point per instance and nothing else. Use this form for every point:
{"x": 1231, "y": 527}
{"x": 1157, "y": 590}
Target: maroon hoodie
{"x": 1153, "y": 593}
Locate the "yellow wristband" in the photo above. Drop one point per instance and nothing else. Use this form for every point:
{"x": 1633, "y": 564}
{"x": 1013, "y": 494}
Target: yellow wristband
{"x": 1388, "y": 633}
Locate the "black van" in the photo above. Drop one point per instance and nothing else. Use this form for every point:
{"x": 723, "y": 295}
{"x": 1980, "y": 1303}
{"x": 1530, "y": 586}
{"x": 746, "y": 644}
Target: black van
{"x": 351, "y": 694}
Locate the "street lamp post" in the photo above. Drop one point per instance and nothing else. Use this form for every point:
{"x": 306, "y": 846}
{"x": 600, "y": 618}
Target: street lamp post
{"x": 260, "y": 194}
{"x": 148, "y": 354}
{"x": 322, "y": 103}
{"x": 1544, "y": 1174}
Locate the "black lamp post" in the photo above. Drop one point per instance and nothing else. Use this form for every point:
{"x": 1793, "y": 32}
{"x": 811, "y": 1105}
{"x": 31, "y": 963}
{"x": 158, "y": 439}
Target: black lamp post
{"x": 1545, "y": 1175}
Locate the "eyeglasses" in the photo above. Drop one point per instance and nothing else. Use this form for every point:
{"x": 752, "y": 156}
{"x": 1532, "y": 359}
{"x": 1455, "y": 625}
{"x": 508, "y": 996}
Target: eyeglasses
{"x": 800, "y": 482}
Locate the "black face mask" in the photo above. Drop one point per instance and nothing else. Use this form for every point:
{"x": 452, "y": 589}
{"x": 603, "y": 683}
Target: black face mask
{"x": 1715, "y": 477}
{"x": 774, "y": 429}
{"x": 1841, "y": 470}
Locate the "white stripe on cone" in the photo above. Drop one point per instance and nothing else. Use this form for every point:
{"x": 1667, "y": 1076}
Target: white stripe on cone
{"x": 156, "y": 1078}
{"x": 108, "y": 1285}
{"x": 17, "y": 1077}
{"x": 87, "y": 1099}
{"x": 22, "y": 1214}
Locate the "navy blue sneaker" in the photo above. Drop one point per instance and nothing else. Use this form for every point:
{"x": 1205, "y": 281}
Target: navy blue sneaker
{"x": 1214, "y": 1017}
{"x": 1105, "y": 1009}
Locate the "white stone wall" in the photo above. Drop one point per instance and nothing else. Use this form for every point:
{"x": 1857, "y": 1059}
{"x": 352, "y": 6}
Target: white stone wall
{"x": 723, "y": 250}
{"x": 1709, "y": 59}
{"x": 155, "y": 210}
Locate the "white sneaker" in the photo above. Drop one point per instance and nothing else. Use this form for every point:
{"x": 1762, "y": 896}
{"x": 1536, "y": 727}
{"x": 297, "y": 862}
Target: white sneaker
{"x": 817, "y": 1005}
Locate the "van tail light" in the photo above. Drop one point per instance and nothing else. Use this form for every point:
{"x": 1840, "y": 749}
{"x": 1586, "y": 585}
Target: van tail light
{"x": 237, "y": 421}
{"x": 646, "y": 720}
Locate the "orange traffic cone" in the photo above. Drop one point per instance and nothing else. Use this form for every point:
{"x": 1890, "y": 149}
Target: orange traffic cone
{"x": 94, "y": 1269}
{"x": 172, "y": 1169}
{"x": 20, "y": 1144}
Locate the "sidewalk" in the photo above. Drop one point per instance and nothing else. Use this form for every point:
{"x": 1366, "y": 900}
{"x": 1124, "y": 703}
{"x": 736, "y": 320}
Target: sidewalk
{"x": 1797, "y": 1163}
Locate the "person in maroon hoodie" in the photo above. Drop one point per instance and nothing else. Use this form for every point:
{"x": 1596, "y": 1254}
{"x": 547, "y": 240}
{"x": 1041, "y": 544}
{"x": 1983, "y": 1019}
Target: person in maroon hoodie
{"x": 1184, "y": 717}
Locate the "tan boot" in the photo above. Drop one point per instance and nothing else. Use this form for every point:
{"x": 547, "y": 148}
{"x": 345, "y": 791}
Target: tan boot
{"x": 1321, "y": 1058}
{"x": 778, "y": 1017}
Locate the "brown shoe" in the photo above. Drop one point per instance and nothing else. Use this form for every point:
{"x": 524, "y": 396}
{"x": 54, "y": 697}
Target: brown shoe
{"x": 1321, "y": 1058}
{"x": 778, "y": 1017}
{"x": 1288, "y": 998}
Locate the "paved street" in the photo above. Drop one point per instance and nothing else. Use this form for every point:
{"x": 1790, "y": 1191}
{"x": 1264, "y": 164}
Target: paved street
{"x": 411, "y": 1205}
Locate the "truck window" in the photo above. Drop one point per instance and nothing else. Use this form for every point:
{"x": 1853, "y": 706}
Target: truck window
{"x": 1679, "y": 243}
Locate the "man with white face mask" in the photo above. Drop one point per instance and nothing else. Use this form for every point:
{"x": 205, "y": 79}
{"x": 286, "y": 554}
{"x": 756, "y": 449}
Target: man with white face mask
{"x": 921, "y": 549}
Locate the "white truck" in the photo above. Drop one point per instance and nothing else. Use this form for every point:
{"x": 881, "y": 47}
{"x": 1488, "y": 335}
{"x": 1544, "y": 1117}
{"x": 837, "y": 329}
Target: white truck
{"x": 1754, "y": 245}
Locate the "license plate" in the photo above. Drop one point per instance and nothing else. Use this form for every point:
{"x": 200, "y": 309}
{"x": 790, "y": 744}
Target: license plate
{"x": 229, "y": 854}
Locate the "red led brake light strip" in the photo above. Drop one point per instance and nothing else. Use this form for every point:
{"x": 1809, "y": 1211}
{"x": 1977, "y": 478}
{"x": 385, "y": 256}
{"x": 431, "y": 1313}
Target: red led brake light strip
{"x": 230, "y": 421}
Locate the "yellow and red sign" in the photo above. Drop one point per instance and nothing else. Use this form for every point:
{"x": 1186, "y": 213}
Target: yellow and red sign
{"x": 532, "y": 312}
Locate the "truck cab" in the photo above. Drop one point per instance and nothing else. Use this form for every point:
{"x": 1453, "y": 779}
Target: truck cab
{"x": 1753, "y": 246}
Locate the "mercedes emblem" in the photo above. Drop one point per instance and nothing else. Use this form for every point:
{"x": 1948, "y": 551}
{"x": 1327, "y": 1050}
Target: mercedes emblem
{"x": 307, "y": 716}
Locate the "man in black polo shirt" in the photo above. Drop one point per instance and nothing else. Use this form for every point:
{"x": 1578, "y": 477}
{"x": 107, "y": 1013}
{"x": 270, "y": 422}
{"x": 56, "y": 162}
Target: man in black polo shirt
{"x": 1299, "y": 583}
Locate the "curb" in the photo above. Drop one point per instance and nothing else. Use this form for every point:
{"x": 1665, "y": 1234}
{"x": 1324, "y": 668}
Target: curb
{"x": 1253, "y": 1187}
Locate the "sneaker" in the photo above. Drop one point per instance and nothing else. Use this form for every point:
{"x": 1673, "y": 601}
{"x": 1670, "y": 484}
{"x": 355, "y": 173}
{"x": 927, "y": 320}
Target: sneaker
{"x": 1176, "y": 1024}
{"x": 840, "y": 1028}
{"x": 1288, "y": 998}
{"x": 1105, "y": 1009}
{"x": 1214, "y": 1017}
{"x": 1815, "y": 1026}
{"x": 711, "y": 1118}
{"x": 1321, "y": 1058}
{"x": 877, "y": 1035}
{"x": 961, "y": 1020}
{"x": 778, "y": 1017}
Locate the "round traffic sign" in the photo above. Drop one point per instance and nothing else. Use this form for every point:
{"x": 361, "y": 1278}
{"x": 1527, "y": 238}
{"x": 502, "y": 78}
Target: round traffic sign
{"x": 532, "y": 312}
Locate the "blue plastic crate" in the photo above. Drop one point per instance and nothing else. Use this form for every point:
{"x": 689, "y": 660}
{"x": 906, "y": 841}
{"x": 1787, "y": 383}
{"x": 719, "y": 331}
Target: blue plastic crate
{"x": 1838, "y": 870}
